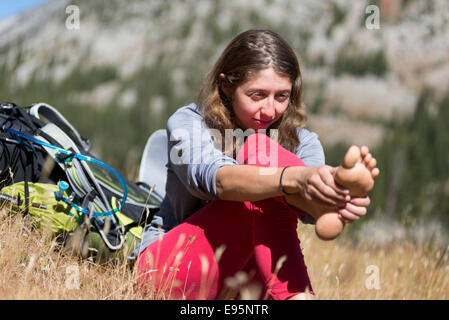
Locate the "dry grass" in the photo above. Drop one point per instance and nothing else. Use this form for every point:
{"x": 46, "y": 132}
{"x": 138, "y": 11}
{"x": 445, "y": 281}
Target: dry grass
{"x": 32, "y": 267}
{"x": 340, "y": 269}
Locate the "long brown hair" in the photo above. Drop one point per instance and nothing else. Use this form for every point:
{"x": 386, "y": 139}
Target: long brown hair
{"x": 248, "y": 53}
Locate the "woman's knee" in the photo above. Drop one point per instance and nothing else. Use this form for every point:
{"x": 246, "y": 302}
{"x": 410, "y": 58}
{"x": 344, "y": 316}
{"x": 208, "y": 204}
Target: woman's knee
{"x": 260, "y": 150}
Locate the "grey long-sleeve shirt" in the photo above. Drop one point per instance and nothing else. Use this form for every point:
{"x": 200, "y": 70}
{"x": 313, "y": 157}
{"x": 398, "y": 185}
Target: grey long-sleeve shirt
{"x": 192, "y": 168}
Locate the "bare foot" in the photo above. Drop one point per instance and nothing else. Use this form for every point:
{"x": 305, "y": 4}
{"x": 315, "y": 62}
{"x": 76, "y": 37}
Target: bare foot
{"x": 357, "y": 174}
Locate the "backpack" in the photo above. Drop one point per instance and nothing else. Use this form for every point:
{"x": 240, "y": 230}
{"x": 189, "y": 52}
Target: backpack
{"x": 47, "y": 172}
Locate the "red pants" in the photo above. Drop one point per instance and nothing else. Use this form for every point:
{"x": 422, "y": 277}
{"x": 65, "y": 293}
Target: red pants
{"x": 193, "y": 260}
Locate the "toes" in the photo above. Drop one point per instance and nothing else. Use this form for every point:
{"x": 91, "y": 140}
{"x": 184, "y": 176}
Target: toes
{"x": 367, "y": 159}
{"x": 375, "y": 172}
{"x": 352, "y": 157}
{"x": 372, "y": 163}
{"x": 364, "y": 150}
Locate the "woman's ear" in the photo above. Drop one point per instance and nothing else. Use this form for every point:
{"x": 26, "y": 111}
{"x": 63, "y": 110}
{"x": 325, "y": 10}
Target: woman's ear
{"x": 221, "y": 83}
{"x": 224, "y": 88}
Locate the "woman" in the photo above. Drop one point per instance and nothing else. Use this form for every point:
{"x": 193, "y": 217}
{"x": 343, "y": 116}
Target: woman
{"x": 231, "y": 207}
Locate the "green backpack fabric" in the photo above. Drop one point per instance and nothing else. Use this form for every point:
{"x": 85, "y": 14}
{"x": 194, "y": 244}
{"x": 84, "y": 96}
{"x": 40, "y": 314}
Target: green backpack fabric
{"x": 46, "y": 212}
{"x": 50, "y": 215}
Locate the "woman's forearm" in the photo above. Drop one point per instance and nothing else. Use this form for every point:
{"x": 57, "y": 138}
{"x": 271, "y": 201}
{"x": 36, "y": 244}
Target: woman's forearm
{"x": 249, "y": 183}
{"x": 244, "y": 183}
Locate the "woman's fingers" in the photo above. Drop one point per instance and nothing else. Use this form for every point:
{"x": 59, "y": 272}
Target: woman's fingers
{"x": 355, "y": 210}
{"x": 320, "y": 191}
{"x": 321, "y": 184}
{"x": 327, "y": 175}
{"x": 348, "y": 216}
{"x": 361, "y": 201}
{"x": 315, "y": 195}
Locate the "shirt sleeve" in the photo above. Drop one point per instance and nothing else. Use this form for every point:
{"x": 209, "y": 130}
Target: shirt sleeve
{"x": 192, "y": 155}
{"x": 310, "y": 150}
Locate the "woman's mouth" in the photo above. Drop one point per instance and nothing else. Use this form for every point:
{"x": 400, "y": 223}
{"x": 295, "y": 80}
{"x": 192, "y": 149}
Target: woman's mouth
{"x": 263, "y": 123}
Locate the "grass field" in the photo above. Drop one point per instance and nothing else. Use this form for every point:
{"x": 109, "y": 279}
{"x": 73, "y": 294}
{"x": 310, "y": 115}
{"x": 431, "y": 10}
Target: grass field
{"x": 33, "y": 267}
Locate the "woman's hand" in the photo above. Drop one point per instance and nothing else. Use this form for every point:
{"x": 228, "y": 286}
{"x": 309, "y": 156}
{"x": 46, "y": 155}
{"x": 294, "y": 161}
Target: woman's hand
{"x": 354, "y": 209}
{"x": 317, "y": 184}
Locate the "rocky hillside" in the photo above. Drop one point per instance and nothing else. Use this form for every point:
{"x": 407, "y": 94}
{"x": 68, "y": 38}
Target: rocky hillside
{"x": 131, "y": 64}
{"x": 148, "y": 57}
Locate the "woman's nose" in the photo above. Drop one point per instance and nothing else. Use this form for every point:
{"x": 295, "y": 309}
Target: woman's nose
{"x": 267, "y": 111}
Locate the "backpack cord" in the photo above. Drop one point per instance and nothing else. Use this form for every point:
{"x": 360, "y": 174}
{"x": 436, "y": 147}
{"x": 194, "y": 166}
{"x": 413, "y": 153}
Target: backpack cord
{"x": 27, "y": 197}
{"x": 27, "y": 178}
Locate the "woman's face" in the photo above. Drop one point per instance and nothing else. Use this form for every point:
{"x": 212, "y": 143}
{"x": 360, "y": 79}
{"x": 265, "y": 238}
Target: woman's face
{"x": 261, "y": 100}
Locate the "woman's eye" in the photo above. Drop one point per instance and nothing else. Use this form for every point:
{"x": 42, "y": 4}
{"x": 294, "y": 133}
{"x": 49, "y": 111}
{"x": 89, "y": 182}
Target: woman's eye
{"x": 283, "y": 97}
{"x": 257, "y": 95}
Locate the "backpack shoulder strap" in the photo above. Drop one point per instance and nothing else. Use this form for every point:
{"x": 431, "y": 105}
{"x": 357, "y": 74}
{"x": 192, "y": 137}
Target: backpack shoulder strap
{"x": 83, "y": 182}
{"x": 41, "y": 109}
{"x": 80, "y": 173}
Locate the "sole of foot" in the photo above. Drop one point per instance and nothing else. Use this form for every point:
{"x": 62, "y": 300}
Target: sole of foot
{"x": 357, "y": 174}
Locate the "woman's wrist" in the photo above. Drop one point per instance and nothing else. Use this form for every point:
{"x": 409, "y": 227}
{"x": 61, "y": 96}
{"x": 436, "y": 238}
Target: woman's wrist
{"x": 289, "y": 183}
{"x": 281, "y": 186}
